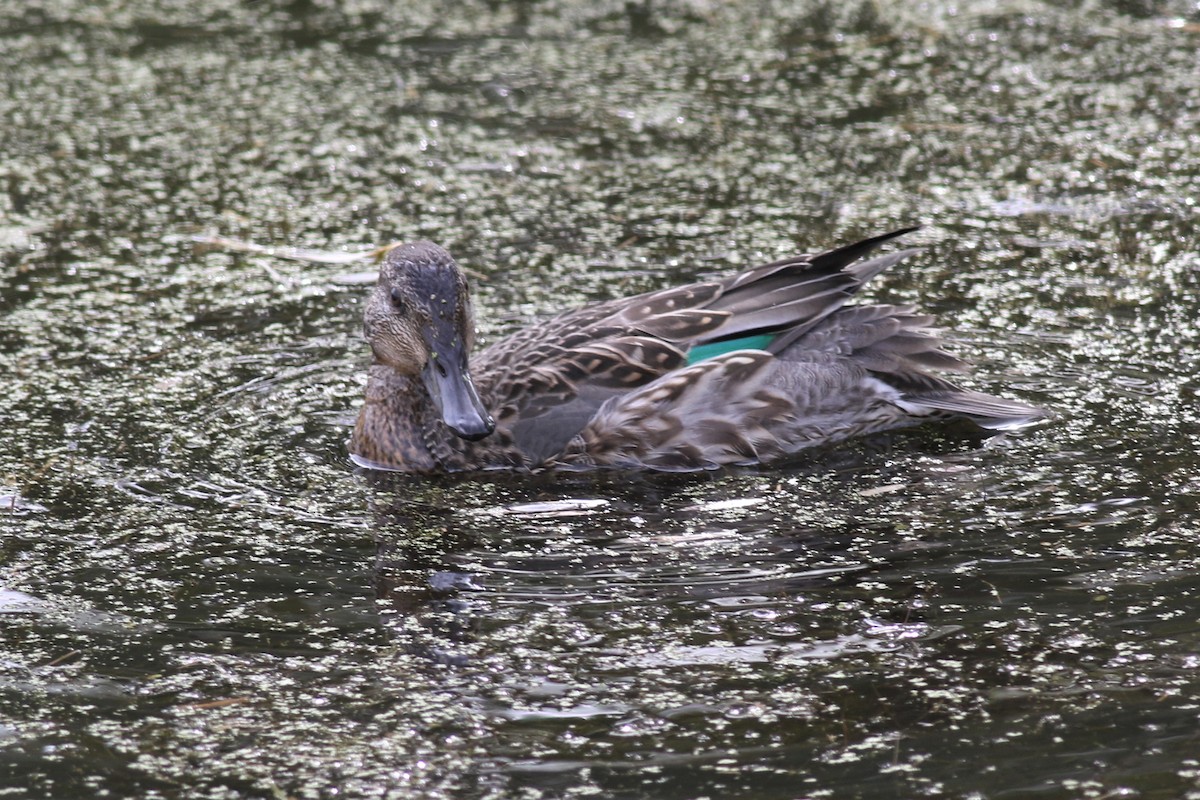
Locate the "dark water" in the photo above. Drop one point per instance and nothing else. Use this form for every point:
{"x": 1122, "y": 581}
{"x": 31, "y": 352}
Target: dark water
{"x": 201, "y": 598}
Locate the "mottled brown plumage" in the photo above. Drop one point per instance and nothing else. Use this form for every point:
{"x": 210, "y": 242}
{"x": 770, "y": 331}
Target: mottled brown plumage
{"x": 610, "y": 384}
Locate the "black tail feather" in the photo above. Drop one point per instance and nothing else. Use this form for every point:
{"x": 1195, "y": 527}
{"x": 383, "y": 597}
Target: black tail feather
{"x": 848, "y": 254}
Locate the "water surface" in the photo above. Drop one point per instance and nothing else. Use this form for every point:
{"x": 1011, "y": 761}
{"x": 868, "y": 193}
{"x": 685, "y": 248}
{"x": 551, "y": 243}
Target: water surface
{"x": 201, "y": 597}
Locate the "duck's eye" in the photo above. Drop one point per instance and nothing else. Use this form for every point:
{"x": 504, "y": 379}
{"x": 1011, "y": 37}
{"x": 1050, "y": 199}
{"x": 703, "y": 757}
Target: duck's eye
{"x": 397, "y": 299}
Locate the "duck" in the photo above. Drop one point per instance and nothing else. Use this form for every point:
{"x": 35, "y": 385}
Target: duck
{"x": 748, "y": 369}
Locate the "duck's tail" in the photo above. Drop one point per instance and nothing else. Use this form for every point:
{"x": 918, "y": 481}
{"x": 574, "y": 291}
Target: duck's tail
{"x": 985, "y": 410}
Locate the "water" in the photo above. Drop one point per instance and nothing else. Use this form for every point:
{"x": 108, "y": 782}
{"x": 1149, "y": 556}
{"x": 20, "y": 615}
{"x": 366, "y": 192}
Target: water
{"x": 200, "y": 597}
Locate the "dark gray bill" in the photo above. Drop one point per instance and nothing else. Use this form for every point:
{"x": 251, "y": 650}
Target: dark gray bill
{"x": 453, "y": 394}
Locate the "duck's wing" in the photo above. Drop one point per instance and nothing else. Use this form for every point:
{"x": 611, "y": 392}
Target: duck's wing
{"x": 861, "y": 370}
{"x": 745, "y": 407}
{"x": 702, "y": 415}
{"x": 545, "y": 382}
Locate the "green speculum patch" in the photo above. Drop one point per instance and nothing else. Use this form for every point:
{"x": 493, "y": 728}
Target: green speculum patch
{"x": 702, "y": 352}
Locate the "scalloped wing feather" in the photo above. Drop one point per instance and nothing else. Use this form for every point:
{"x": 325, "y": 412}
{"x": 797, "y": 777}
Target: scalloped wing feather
{"x": 695, "y": 417}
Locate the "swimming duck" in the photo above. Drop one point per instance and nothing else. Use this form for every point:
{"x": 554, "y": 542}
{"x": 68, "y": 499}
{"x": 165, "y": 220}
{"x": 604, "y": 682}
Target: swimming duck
{"x": 742, "y": 370}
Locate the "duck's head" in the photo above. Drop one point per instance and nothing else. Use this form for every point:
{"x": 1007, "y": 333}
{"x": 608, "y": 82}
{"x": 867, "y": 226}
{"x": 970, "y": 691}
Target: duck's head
{"x": 419, "y": 322}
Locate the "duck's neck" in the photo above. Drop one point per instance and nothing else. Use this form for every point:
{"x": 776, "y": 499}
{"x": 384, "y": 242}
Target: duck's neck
{"x": 391, "y": 426}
